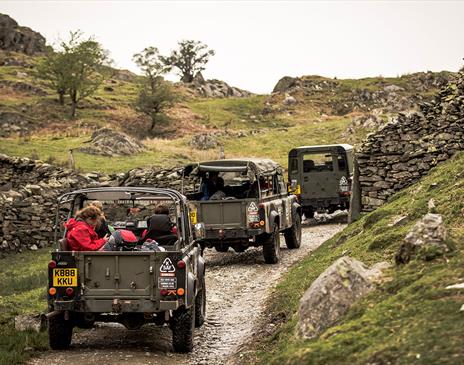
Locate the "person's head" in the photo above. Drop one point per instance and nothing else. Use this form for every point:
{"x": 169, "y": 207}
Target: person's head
{"x": 162, "y": 209}
{"x": 98, "y": 204}
{"x": 219, "y": 183}
{"x": 90, "y": 215}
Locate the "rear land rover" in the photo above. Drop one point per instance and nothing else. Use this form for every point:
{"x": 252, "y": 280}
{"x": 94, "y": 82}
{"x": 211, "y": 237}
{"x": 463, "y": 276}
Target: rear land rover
{"x": 131, "y": 285}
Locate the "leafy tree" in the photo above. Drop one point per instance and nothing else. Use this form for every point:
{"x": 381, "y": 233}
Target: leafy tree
{"x": 153, "y": 101}
{"x": 151, "y": 63}
{"x": 155, "y": 94}
{"x": 77, "y": 68}
{"x": 190, "y": 58}
{"x": 53, "y": 69}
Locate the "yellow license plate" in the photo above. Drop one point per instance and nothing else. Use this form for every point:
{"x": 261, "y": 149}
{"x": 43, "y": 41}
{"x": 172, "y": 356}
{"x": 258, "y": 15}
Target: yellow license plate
{"x": 64, "y": 277}
{"x": 193, "y": 217}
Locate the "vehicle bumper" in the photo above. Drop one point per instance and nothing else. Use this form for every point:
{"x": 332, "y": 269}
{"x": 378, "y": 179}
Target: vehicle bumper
{"x": 117, "y": 305}
{"x": 231, "y": 234}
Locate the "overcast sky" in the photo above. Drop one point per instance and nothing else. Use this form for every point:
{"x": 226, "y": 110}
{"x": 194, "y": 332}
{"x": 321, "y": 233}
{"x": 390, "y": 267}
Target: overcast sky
{"x": 258, "y": 42}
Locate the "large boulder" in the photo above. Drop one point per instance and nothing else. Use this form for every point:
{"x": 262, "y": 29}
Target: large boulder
{"x": 107, "y": 142}
{"x": 427, "y": 240}
{"x": 19, "y": 39}
{"x": 333, "y": 292}
{"x": 204, "y": 141}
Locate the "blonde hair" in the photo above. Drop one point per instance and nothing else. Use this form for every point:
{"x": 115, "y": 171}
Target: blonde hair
{"x": 98, "y": 204}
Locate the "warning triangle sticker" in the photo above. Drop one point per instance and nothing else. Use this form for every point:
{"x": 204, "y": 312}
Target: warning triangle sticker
{"x": 167, "y": 266}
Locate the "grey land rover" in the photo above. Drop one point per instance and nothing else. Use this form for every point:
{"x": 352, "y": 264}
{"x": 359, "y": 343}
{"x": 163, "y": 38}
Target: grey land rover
{"x": 132, "y": 284}
{"x": 252, "y": 209}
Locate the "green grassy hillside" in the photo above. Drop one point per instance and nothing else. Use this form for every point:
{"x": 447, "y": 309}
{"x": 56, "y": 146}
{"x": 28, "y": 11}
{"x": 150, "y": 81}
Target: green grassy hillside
{"x": 315, "y": 118}
{"x": 409, "y": 319}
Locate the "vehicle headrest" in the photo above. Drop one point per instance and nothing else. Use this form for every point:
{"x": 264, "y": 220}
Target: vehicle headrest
{"x": 159, "y": 222}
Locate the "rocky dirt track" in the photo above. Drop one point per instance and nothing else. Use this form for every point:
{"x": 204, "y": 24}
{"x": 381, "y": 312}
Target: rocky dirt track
{"x": 237, "y": 286}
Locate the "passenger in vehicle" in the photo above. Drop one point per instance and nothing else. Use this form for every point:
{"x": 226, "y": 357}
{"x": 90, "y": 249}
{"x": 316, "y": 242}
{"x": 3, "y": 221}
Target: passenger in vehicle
{"x": 219, "y": 194}
{"x": 102, "y": 228}
{"x": 81, "y": 235}
{"x": 208, "y": 186}
{"x": 160, "y": 229}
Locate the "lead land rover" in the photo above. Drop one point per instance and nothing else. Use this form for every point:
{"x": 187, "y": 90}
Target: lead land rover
{"x": 132, "y": 284}
{"x": 254, "y": 209}
{"x": 321, "y": 177}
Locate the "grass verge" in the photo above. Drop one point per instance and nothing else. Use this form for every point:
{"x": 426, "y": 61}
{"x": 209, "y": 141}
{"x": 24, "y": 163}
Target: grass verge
{"x": 411, "y": 318}
{"x": 23, "y": 279}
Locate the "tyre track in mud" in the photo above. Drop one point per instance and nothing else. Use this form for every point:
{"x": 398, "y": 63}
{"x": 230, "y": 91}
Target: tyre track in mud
{"x": 237, "y": 286}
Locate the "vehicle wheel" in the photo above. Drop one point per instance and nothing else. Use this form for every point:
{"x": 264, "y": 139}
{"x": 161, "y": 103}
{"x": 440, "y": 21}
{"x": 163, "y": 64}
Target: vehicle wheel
{"x": 200, "y": 305}
{"x": 293, "y": 234}
{"x": 183, "y": 324}
{"x": 308, "y": 212}
{"x": 240, "y": 248}
{"x": 271, "y": 246}
{"x": 59, "y": 332}
{"x": 222, "y": 247}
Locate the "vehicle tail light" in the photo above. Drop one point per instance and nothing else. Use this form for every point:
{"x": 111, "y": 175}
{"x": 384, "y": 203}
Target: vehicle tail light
{"x": 69, "y": 292}
{"x": 181, "y": 264}
{"x": 261, "y": 223}
{"x": 52, "y": 264}
{"x": 180, "y": 291}
{"x": 163, "y": 292}
{"x": 52, "y": 291}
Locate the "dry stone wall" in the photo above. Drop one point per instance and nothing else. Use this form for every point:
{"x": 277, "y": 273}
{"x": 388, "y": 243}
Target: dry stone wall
{"x": 29, "y": 189}
{"x": 28, "y": 192}
{"x": 405, "y": 149}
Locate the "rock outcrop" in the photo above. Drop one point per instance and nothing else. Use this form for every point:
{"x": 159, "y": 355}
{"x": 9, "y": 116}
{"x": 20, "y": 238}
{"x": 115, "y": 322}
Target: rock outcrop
{"x": 343, "y": 98}
{"x": 333, "y": 292}
{"x": 406, "y": 148}
{"x": 215, "y": 88}
{"x": 107, "y": 142}
{"x": 19, "y": 39}
{"x": 426, "y": 240}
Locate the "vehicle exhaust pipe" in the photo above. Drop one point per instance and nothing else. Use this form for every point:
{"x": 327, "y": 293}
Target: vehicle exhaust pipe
{"x": 52, "y": 314}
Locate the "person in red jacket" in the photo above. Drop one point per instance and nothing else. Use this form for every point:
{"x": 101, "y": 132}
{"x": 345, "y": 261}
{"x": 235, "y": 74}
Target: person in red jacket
{"x": 81, "y": 235}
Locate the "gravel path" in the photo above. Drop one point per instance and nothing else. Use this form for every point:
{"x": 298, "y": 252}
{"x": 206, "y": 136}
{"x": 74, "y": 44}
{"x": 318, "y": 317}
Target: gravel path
{"x": 237, "y": 286}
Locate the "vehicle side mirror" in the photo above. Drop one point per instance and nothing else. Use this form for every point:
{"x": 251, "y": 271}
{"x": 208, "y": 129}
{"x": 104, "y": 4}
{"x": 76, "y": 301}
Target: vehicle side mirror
{"x": 199, "y": 231}
{"x": 293, "y": 184}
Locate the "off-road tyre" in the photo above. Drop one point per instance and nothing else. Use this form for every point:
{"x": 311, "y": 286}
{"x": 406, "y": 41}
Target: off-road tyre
{"x": 59, "y": 332}
{"x": 183, "y": 325}
{"x": 240, "y": 248}
{"x": 271, "y": 246}
{"x": 308, "y": 212}
{"x": 293, "y": 234}
{"x": 221, "y": 247}
{"x": 200, "y": 305}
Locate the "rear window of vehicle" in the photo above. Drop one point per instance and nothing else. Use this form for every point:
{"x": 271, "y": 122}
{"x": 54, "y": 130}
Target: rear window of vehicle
{"x": 317, "y": 162}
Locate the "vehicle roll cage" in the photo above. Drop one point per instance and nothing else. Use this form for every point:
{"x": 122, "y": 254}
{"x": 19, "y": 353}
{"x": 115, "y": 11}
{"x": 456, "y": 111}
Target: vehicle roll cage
{"x": 72, "y": 196}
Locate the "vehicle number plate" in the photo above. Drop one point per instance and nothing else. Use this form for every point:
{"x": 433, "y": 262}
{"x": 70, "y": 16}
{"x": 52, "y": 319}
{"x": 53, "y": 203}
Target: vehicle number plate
{"x": 65, "y": 277}
{"x": 167, "y": 283}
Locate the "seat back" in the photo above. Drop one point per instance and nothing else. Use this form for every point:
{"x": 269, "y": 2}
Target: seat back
{"x": 63, "y": 244}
